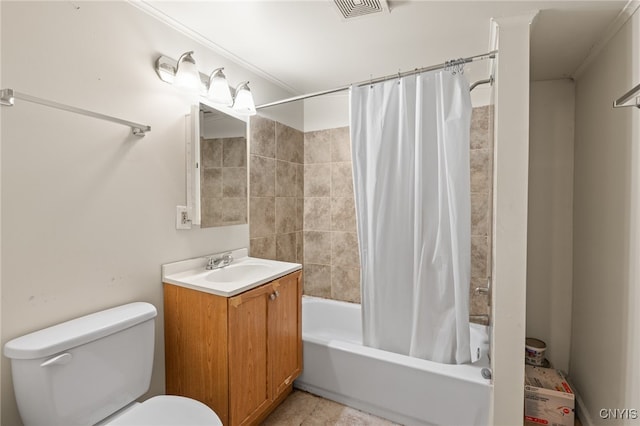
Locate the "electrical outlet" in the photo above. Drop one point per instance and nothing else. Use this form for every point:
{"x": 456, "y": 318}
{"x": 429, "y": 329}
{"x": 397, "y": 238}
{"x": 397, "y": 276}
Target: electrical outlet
{"x": 182, "y": 218}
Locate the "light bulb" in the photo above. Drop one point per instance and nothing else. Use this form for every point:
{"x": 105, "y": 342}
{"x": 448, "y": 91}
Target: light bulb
{"x": 243, "y": 102}
{"x": 187, "y": 75}
{"x": 219, "y": 91}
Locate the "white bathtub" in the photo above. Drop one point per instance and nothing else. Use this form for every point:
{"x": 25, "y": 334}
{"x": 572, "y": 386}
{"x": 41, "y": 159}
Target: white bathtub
{"x": 406, "y": 390}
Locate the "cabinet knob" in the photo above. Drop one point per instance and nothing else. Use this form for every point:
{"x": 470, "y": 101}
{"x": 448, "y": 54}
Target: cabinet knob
{"x": 273, "y": 295}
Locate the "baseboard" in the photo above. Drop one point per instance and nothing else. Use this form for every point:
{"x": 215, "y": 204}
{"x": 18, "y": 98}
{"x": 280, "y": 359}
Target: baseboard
{"x": 581, "y": 410}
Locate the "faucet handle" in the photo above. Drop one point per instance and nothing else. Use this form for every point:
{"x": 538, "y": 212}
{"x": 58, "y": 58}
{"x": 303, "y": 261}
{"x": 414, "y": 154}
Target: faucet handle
{"x": 211, "y": 262}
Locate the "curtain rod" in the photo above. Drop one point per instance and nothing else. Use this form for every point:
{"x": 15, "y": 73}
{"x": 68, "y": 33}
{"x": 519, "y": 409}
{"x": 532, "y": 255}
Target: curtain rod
{"x": 455, "y": 62}
{"x": 7, "y": 97}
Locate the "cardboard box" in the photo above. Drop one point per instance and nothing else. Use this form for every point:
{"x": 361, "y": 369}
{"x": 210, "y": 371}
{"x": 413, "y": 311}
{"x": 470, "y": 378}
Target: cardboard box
{"x": 548, "y": 398}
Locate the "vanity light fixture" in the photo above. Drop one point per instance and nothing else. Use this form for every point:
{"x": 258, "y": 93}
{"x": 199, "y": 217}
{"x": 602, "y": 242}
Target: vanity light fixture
{"x": 243, "y": 101}
{"x": 181, "y": 73}
{"x": 219, "y": 91}
{"x": 184, "y": 73}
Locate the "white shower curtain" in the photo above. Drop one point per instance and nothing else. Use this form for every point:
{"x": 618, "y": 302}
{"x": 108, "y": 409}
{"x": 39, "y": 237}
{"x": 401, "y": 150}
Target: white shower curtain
{"x": 410, "y": 148}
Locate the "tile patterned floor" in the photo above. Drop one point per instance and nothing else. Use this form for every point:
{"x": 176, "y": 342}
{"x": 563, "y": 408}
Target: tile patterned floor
{"x": 304, "y": 409}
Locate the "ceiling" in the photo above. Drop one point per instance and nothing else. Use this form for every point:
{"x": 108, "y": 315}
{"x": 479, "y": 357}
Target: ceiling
{"x": 306, "y": 46}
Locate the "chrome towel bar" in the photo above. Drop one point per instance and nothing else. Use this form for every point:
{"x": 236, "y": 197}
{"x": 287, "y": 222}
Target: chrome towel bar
{"x": 8, "y": 96}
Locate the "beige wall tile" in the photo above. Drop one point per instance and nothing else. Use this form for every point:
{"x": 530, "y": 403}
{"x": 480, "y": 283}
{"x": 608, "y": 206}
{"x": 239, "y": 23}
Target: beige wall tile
{"x": 317, "y": 214}
{"x": 480, "y": 128}
{"x": 479, "y": 213}
{"x": 211, "y": 153}
{"x": 341, "y": 180}
{"x": 480, "y": 170}
{"x": 263, "y": 216}
{"x": 264, "y": 248}
{"x": 479, "y": 258}
{"x": 300, "y": 247}
{"x": 317, "y": 180}
{"x": 317, "y": 247}
{"x": 289, "y": 144}
{"x": 299, "y": 214}
{"x": 340, "y": 144}
{"x": 317, "y": 147}
{"x": 343, "y": 214}
{"x": 234, "y": 211}
{"x": 263, "y": 176}
{"x": 285, "y": 215}
{"x": 286, "y": 179}
{"x": 345, "y": 283}
{"x": 211, "y": 185}
{"x": 299, "y": 180}
{"x": 234, "y": 152}
{"x": 211, "y": 211}
{"x": 263, "y": 136}
{"x": 344, "y": 249}
{"x": 317, "y": 280}
{"x": 234, "y": 182}
{"x": 286, "y": 249}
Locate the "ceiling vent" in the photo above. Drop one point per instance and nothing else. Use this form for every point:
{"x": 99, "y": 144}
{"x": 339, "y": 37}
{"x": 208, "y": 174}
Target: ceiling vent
{"x": 355, "y": 8}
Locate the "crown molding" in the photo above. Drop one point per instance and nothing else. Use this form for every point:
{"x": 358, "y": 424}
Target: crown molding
{"x": 199, "y": 38}
{"x": 625, "y": 14}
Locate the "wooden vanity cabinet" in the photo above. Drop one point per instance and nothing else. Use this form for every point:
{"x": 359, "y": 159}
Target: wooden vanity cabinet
{"x": 239, "y": 355}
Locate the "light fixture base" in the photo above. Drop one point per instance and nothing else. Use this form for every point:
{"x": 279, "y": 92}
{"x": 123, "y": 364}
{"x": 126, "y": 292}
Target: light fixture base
{"x": 166, "y": 70}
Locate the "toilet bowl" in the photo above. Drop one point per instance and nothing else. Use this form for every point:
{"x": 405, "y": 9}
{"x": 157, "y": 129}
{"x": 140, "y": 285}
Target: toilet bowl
{"x": 91, "y": 370}
{"x": 165, "y": 410}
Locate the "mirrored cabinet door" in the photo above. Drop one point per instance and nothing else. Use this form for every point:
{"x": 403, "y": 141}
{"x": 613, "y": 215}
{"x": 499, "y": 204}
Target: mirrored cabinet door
{"x": 220, "y": 155}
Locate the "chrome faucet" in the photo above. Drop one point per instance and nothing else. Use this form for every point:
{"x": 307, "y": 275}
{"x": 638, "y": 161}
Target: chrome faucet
{"x": 219, "y": 262}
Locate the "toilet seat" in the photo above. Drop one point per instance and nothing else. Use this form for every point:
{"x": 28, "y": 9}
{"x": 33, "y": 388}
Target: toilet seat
{"x": 168, "y": 410}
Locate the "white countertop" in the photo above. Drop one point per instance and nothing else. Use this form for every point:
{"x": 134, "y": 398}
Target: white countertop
{"x": 243, "y": 274}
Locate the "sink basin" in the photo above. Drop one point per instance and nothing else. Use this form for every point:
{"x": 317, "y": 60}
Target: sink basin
{"x": 239, "y": 271}
{"x": 243, "y": 274}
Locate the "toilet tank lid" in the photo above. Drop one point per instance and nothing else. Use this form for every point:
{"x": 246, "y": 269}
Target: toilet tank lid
{"x": 67, "y": 335}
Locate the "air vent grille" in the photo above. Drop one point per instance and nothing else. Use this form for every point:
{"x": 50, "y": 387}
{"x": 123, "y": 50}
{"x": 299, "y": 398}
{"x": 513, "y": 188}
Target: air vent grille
{"x": 355, "y": 8}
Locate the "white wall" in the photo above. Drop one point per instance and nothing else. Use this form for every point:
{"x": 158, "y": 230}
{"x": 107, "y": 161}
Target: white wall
{"x": 509, "y": 269}
{"x": 605, "y": 343}
{"x": 88, "y": 210}
{"x": 550, "y": 216}
{"x": 326, "y": 112}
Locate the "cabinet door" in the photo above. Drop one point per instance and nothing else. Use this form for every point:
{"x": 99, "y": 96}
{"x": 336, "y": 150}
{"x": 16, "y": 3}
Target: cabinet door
{"x": 285, "y": 338}
{"x": 249, "y": 393}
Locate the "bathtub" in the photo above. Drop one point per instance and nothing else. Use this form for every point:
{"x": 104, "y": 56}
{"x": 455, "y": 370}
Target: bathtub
{"x": 405, "y": 390}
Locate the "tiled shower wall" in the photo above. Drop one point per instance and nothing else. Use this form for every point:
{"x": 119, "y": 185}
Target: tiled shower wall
{"x": 302, "y": 192}
{"x": 481, "y": 158}
{"x": 331, "y": 260}
{"x": 276, "y": 188}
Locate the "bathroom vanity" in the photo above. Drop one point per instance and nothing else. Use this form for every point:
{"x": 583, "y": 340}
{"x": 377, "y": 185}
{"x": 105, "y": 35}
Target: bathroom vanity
{"x": 234, "y": 345}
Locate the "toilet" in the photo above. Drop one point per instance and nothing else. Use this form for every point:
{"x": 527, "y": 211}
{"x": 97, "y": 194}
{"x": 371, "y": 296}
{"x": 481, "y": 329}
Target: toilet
{"x": 91, "y": 370}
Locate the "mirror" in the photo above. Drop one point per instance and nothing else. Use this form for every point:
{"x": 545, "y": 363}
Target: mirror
{"x": 217, "y": 181}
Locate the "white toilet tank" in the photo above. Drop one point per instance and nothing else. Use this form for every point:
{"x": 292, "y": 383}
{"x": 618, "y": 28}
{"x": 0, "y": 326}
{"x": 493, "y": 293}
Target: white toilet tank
{"x": 83, "y": 370}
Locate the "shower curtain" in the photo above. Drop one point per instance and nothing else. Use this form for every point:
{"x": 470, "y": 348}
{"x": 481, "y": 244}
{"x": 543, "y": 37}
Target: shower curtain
{"x": 410, "y": 149}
